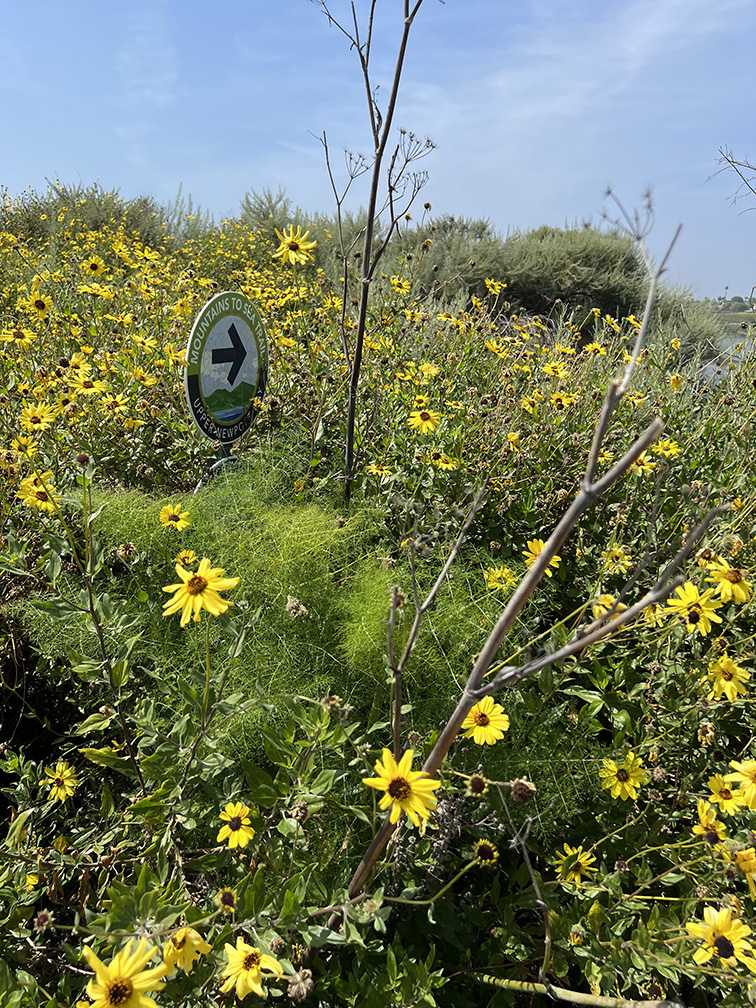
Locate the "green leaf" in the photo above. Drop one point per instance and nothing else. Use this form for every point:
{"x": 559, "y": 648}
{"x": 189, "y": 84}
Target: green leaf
{"x": 17, "y": 827}
{"x": 110, "y": 758}
{"x": 58, "y": 608}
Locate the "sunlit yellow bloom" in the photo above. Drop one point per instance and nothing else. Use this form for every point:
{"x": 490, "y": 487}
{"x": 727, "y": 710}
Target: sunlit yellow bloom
{"x": 20, "y": 337}
{"x": 604, "y": 604}
{"x": 25, "y": 446}
{"x": 730, "y": 583}
{"x": 173, "y": 515}
{"x": 666, "y": 448}
{"x": 294, "y": 247}
{"x": 746, "y": 862}
{"x": 625, "y": 779}
{"x": 727, "y": 678}
{"x": 185, "y": 557}
{"x": 246, "y": 969}
{"x": 37, "y": 304}
{"x": 38, "y": 492}
{"x": 84, "y": 385}
{"x": 237, "y": 829}
{"x": 616, "y": 560}
{"x": 486, "y": 723}
{"x": 729, "y": 801}
{"x": 696, "y": 610}
{"x": 405, "y": 790}
{"x": 708, "y": 826}
{"x": 63, "y": 781}
{"x": 574, "y": 864}
{"x": 198, "y": 591}
{"x": 94, "y": 266}
{"x": 556, "y": 369}
{"x": 499, "y": 577}
{"x": 534, "y": 550}
{"x": 597, "y": 349}
{"x": 745, "y": 776}
{"x": 424, "y": 421}
{"x": 123, "y": 983}
{"x": 642, "y": 465}
{"x": 494, "y": 286}
{"x": 675, "y": 382}
{"x": 183, "y": 947}
{"x": 562, "y": 401}
{"x": 37, "y": 418}
{"x": 724, "y": 937}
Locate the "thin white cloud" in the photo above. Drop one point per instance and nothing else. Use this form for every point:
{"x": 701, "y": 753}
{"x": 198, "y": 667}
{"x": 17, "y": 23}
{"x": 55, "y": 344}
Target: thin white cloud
{"x": 147, "y": 62}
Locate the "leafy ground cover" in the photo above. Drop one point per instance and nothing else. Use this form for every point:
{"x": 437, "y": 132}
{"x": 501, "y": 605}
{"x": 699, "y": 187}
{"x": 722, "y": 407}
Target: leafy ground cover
{"x": 199, "y": 791}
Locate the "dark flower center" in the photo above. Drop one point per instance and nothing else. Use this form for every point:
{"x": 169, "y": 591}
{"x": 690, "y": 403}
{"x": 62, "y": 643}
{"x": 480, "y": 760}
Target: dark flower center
{"x": 293, "y": 245}
{"x": 234, "y": 823}
{"x": 727, "y": 676}
{"x": 425, "y": 416}
{"x": 251, "y": 960}
{"x": 118, "y": 991}
{"x": 178, "y": 943}
{"x": 173, "y": 517}
{"x": 477, "y": 785}
{"x": 694, "y": 614}
{"x": 482, "y": 719}
{"x": 734, "y": 575}
{"x": 40, "y": 305}
{"x": 724, "y": 947}
{"x": 711, "y": 837}
{"x": 196, "y": 585}
{"x": 58, "y": 782}
{"x": 485, "y": 852}
{"x": 228, "y": 899}
{"x": 399, "y": 789}
{"x": 725, "y": 794}
{"x": 622, "y": 775}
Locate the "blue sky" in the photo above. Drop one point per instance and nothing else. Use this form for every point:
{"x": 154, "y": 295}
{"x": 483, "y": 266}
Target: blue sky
{"x": 535, "y": 107}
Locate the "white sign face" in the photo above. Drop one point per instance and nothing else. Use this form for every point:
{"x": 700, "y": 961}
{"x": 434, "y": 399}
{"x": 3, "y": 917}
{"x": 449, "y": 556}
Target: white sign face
{"x": 227, "y": 370}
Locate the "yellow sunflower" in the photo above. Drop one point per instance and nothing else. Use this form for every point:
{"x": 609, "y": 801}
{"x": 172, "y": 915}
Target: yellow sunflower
{"x": 574, "y": 864}
{"x": 730, "y": 583}
{"x": 237, "y": 829}
{"x": 727, "y": 678}
{"x": 729, "y": 801}
{"x": 198, "y": 591}
{"x": 247, "y": 966}
{"x": 695, "y": 609}
{"x": 175, "y": 517}
{"x": 745, "y": 776}
{"x": 405, "y": 789}
{"x": 63, "y": 781}
{"x": 183, "y": 947}
{"x": 294, "y": 247}
{"x": 534, "y": 550}
{"x": 624, "y": 780}
{"x": 486, "y": 723}
{"x": 124, "y": 981}
{"x": 724, "y": 937}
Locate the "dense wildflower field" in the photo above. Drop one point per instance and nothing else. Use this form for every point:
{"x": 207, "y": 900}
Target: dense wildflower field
{"x": 201, "y": 721}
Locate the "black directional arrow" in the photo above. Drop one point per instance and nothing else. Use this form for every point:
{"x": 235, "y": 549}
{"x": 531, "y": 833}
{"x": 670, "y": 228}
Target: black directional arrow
{"x": 233, "y": 355}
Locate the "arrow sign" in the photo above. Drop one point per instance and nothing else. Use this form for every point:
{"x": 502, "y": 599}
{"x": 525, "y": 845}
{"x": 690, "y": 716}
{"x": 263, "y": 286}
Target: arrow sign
{"x": 233, "y": 355}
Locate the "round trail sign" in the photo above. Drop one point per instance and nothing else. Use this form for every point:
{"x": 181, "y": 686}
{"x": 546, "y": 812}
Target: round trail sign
{"x": 227, "y": 366}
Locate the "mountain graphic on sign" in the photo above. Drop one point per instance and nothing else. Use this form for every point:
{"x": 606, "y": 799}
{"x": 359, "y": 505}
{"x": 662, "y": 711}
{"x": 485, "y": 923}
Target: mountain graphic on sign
{"x": 223, "y": 399}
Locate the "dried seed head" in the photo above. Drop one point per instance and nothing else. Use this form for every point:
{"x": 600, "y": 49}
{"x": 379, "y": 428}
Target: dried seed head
{"x": 522, "y": 790}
